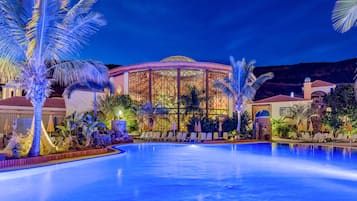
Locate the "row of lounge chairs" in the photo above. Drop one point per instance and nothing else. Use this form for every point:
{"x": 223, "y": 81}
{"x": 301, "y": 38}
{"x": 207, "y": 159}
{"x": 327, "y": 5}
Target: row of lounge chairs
{"x": 324, "y": 137}
{"x": 181, "y": 136}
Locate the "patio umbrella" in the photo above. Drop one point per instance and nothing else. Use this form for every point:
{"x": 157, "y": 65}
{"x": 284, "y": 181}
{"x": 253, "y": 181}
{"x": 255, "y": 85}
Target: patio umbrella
{"x": 300, "y": 126}
{"x": 220, "y": 127}
{"x": 7, "y": 127}
{"x": 311, "y": 128}
{"x": 50, "y": 125}
{"x": 195, "y": 127}
{"x": 199, "y": 129}
{"x": 173, "y": 126}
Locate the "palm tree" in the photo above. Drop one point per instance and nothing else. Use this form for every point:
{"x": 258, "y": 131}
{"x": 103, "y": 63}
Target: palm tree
{"x": 242, "y": 85}
{"x": 301, "y": 113}
{"x": 344, "y": 17}
{"x": 149, "y": 112}
{"x": 33, "y": 32}
{"x": 192, "y": 101}
{"x": 94, "y": 87}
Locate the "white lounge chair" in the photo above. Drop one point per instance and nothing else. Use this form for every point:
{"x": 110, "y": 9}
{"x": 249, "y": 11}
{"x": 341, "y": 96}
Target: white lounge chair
{"x": 178, "y": 136}
{"x": 193, "y": 137}
{"x": 169, "y": 137}
{"x": 209, "y": 136}
{"x": 354, "y": 138}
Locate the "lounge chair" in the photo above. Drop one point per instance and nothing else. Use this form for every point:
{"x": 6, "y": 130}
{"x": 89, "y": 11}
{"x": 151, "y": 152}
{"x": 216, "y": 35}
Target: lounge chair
{"x": 342, "y": 138}
{"x": 354, "y": 138}
{"x": 225, "y": 135}
{"x": 182, "y": 138}
{"x": 215, "y": 136}
{"x": 178, "y": 136}
{"x": 193, "y": 137}
{"x": 318, "y": 137}
{"x": 209, "y": 136}
{"x": 202, "y": 137}
{"x": 169, "y": 137}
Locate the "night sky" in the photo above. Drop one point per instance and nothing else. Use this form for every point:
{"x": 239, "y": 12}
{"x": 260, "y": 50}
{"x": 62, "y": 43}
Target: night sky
{"x": 273, "y": 32}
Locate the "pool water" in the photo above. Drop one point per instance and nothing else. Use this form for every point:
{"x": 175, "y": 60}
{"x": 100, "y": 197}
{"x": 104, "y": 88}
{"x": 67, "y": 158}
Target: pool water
{"x": 183, "y": 172}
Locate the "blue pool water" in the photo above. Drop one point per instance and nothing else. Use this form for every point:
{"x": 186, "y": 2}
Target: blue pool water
{"x": 175, "y": 172}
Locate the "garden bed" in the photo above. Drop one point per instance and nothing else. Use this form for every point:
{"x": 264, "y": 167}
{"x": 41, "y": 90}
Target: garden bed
{"x": 14, "y": 163}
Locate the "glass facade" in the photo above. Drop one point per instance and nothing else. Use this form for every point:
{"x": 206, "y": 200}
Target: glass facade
{"x": 164, "y": 88}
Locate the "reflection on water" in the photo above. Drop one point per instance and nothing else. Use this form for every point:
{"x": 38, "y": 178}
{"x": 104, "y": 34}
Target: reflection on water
{"x": 194, "y": 172}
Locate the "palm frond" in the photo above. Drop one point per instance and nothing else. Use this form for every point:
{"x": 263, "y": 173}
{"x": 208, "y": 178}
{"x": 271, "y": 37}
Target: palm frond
{"x": 42, "y": 28}
{"x": 68, "y": 72}
{"x": 8, "y": 71}
{"x": 12, "y": 31}
{"x": 224, "y": 87}
{"x": 75, "y": 35}
{"x": 262, "y": 79}
{"x": 80, "y": 8}
{"x": 344, "y": 15}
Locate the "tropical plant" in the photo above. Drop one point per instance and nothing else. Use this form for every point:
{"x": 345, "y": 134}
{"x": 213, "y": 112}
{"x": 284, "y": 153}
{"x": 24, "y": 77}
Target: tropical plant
{"x": 301, "y": 114}
{"x": 344, "y": 17}
{"x": 93, "y": 86}
{"x": 280, "y": 127}
{"x": 79, "y": 127}
{"x": 242, "y": 85}
{"x": 192, "y": 101}
{"x": 46, "y": 30}
{"x": 110, "y": 105}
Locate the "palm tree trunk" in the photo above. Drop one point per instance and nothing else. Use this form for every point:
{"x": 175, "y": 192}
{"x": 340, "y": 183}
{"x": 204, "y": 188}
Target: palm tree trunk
{"x": 35, "y": 147}
{"x": 238, "y": 122}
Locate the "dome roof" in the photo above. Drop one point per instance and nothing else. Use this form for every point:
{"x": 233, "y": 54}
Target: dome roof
{"x": 177, "y": 58}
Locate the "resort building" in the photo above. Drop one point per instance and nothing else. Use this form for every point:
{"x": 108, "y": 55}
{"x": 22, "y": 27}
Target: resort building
{"x": 163, "y": 83}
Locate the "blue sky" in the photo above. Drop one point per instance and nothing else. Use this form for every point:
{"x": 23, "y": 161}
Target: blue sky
{"x": 273, "y": 32}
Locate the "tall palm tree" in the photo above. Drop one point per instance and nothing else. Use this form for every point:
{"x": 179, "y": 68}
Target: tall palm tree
{"x": 33, "y": 32}
{"x": 92, "y": 86}
{"x": 344, "y": 17}
{"x": 242, "y": 85}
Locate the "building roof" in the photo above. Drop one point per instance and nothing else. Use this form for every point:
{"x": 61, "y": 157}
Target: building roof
{"x": 23, "y": 102}
{"x": 177, "y": 58}
{"x": 279, "y": 98}
{"x": 320, "y": 83}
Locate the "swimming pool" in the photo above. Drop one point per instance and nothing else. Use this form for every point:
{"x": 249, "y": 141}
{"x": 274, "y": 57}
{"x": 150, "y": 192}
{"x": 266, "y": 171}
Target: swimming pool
{"x": 174, "y": 172}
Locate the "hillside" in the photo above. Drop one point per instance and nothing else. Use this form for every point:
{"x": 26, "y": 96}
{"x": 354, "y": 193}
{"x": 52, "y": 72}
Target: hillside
{"x": 288, "y": 78}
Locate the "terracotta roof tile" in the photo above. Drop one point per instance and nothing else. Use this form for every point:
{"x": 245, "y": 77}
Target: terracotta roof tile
{"x": 320, "y": 83}
{"x": 279, "y": 98}
{"x": 22, "y": 101}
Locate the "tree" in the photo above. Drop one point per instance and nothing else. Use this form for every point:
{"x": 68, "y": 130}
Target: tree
{"x": 344, "y": 17}
{"x": 33, "y": 32}
{"x": 343, "y": 105}
{"x": 242, "y": 85}
{"x": 149, "y": 112}
{"x": 192, "y": 101}
{"x": 301, "y": 113}
{"x": 94, "y": 87}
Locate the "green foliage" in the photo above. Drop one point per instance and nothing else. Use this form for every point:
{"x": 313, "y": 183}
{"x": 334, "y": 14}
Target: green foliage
{"x": 110, "y": 105}
{"x": 79, "y": 127}
{"x": 230, "y": 124}
{"x": 280, "y": 127}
